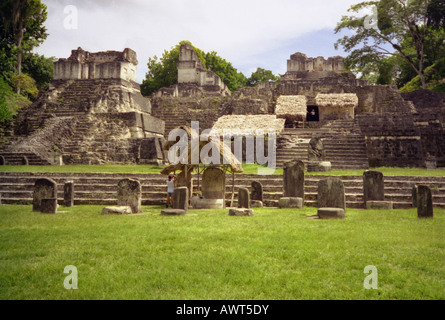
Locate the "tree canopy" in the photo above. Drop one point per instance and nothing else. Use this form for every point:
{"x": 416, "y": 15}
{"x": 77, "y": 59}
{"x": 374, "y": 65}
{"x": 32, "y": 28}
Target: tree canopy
{"x": 397, "y": 28}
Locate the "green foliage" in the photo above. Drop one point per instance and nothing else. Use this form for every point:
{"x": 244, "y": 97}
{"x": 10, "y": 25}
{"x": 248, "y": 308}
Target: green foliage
{"x": 399, "y": 30}
{"x": 228, "y": 74}
{"x": 261, "y": 75}
{"x": 279, "y": 254}
{"x": 26, "y": 85}
{"x": 10, "y": 102}
{"x": 434, "y": 76}
{"x": 40, "y": 68}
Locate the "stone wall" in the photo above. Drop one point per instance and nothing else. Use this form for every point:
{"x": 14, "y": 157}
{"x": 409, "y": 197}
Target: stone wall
{"x": 99, "y": 65}
{"x": 391, "y": 140}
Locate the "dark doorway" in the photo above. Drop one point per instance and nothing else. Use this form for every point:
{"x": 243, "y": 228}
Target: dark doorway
{"x": 312, "y": 113}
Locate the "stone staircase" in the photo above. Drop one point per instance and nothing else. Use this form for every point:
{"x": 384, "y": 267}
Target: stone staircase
{"x": 101, "y": 188}
{"x": 344, "y": 144}
{"x": 173, "y": 117}
{"x": 18, "y": 158}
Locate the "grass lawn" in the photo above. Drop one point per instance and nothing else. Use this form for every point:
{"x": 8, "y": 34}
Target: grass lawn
{"x": 275, "y": 255}
{"x": 248, "y": 169}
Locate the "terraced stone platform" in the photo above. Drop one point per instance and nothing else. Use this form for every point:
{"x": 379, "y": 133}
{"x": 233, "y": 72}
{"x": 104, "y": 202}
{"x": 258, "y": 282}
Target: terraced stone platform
{"x": 101, "y": 188}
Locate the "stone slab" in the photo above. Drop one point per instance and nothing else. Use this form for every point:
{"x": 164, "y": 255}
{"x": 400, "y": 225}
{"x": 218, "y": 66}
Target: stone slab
{"x": 241, "y": 212}
{"x": 290, "y": 202}
{"x": 116, "y": 210}
{"x": 331, "y": 213}
{"x": 379, "y": 205}
{"x": 173, "y": 212}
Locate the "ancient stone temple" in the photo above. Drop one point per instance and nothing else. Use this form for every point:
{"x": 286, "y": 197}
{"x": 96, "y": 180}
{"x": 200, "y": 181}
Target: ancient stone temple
{"x": 93, "y": 113}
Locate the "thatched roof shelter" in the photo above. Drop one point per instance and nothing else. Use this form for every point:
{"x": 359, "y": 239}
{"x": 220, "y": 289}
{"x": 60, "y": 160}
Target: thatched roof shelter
{"x": 295, "y": 106}
{"x": 249, "y": 122}
{"x": 347, "y": 100}
{"x": 228, "y": 161}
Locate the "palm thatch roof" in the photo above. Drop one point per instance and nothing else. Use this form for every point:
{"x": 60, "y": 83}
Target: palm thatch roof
{"x": 291, "y": 106}
{"x": 337, "y": 100}
{"x": 240, "y": 123}
{"x": 228, "y": 160}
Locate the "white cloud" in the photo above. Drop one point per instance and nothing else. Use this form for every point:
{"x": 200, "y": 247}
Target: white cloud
{"x": 244, "y": 32}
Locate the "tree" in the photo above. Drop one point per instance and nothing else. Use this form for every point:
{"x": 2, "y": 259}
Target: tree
{"x": 261, "y": 75}
{"x": 394, "y": 20}
{"x": 228, "y": 74}
{"x": 21, "y": 27}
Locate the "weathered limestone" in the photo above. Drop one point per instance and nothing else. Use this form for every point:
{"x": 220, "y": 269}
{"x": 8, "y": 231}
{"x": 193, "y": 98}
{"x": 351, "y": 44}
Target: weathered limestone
{"x": 293, "y": 179}
{"x": 129, "y": 193}
{"x": 331, "y": 193}
{"x": 241, "y": 212}
{"x": 117, "y": 210}
{"x": 292, "y": 202}
{"x": 373, "y": 186}
{"x": 374, "y": 191}
{"x": 317, "y": 156}
{"x": 181, "y": 199}
{"x": 256, "y": 204}
{"x": 98, "y": 65}
{"x": 316, "y": 152}
{"x": 198, "y": 203}
{"x": 331, "y": 213}
{"x": 379, "y": 205}
{"x": 257, "y": 191}
{"x": 243, "y": 198}
{"x": 43, "y": 189}
{"x": 173, "y": 212}
{"x": 424, "y": 202}
{"x": 48, "y": 206}
{"x": 316, "y": 166}
{"x": 213, "y": 189}
{"x": 414, "y": 195}
{"x": 68, "y": 194}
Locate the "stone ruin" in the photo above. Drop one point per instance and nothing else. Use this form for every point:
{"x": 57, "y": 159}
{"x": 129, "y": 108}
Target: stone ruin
{"x": 93, "y": 113}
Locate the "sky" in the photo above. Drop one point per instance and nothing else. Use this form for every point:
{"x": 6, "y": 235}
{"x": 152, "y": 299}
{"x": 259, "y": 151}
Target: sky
{"x": 247, "y": 33}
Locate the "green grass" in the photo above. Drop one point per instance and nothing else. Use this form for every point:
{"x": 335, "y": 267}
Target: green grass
{"x": 248, "y": 169}
{"x": 275, "y": 255}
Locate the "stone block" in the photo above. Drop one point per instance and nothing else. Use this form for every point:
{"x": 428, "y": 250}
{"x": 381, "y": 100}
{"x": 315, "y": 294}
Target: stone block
{"x": 68, "y": 194}
{"x": 213, "y": 183}
{"x": 290, "y": 202}
{"x": 117, "y": 210}
{"x": 129, "y": 193}
{"x": 424, "y": 202}
{"x": 243, "y": 198}
{"x": 181, "y": 198}
{"x": 373, "y": 186}
{"x": 43, "y": 189}
{"x": 293, "y": 179}
{"x": 48, "y": 206}
{"x": 173, "y": 212}
{"x": 331, "y": 213}
{"x": 152, "y": 124}
{"x": 331, "y": 193}
{"x": 241, "y": 212}
{"x": 257, "y": 191}
{"x": 319, "y": 166}
{"x": 198, "y": 203}
{"x": 256, "y": 204}
{"x": 379, "y": 205}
